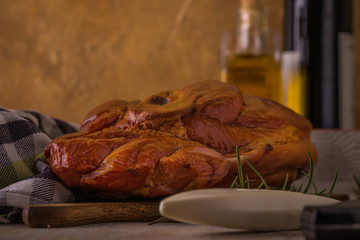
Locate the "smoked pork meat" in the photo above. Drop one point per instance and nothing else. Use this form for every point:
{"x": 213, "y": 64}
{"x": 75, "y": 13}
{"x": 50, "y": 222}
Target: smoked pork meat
{"x": 179, "y": 140}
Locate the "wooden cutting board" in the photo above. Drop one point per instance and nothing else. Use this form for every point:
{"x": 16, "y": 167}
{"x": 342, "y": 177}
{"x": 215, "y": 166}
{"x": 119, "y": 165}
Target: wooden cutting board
{"x": 75, "y": 214}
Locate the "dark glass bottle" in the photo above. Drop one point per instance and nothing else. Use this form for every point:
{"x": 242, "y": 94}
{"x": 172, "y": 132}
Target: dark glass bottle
{"x": 325, "y": 20}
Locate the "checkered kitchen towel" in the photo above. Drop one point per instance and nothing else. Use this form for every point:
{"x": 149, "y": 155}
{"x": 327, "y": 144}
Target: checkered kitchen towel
{"x": 24, "y": 177}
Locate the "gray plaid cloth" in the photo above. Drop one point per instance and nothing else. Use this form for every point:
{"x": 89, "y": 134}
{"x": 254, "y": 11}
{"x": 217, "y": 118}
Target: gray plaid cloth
{"x": 25, "y": 178}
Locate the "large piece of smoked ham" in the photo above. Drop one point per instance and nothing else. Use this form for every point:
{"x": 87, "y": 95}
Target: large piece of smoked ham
{"x": 180, "y": 140}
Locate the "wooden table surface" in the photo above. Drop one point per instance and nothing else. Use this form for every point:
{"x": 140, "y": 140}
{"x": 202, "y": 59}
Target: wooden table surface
{"x": 337, "y": 150}
{"x": 139, "y": 230}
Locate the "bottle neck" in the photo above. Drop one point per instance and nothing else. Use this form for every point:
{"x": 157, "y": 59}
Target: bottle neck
{"x": 251, "y": 39}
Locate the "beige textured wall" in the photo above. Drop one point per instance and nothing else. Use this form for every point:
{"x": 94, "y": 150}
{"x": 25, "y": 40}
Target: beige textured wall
{"x": 63, "y": 57}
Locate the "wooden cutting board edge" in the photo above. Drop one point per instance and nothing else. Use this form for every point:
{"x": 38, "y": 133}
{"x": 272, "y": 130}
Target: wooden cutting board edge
{"x": 76, "y": 214}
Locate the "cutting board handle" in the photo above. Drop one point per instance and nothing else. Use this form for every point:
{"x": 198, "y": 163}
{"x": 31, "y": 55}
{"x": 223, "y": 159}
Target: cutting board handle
{"x": 75, "y": 214}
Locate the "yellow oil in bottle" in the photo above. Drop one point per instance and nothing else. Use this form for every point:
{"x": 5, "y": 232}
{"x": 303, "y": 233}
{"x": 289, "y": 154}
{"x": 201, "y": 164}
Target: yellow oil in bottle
{"x": 255, "y": 75}
{"x": 294, "y": 82}
{"x": 296, "y": 91}
{"x": 251, "y": 68}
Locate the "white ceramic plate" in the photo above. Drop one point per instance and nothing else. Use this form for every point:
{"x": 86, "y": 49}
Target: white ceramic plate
{"x": 250, "y": 209}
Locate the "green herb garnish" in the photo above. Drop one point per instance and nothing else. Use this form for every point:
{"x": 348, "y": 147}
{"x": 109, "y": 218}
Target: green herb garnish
{"x": 240, "y": 183}
{"x": 263, "y": 182}
{"x": 333, "y": 184}
{"x": 241, "y": 177}
{"x": 285, "y": 182}
{"x": 357, "y": 181}
{"x": 311, "y": 174}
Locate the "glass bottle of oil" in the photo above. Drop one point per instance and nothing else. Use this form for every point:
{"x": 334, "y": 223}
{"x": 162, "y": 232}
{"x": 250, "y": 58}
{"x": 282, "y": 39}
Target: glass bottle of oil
{"x": 295, "y": 56}
{"x": 252, "y": 68}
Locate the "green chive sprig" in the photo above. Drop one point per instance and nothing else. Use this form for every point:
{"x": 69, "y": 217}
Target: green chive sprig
{"x": 357, "y": 181}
